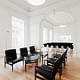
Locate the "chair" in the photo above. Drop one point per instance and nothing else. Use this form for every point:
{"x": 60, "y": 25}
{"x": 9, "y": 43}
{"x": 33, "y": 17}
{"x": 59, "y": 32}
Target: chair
{"x": 47, "y": 72}
{"x": 64, "y": 57}
{"x": 33, "y": 51}
{"x": 11, "y": 57}
{"x": 51, "y": 61}
{"x": 23, "y": 52}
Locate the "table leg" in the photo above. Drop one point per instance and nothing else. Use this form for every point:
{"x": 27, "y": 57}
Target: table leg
{"x": 25, "y": 66}
{"x": 42, "y": 59}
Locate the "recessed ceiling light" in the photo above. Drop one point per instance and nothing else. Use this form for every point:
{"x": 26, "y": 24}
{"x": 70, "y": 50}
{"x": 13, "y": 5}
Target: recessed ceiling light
{"x": 36, "y": 2}
{"x": 62, "y": 26}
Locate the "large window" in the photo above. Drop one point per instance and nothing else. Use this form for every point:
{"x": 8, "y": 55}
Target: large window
{"x": 50, "y": 35}
{"x": 17, "y": 33}
{"x": 65, "y": 38}
{"x": 45, "y": 35}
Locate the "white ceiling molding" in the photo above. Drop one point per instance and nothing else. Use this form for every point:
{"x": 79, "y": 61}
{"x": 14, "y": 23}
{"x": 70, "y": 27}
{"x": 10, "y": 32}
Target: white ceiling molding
{"x": 49, "y": 22}
{"x": 60, "y": 18}
{"x": 62, "y": 5}
{"x": 23, "y": 6}
{"x": 8, "y": 4}
{"x": 26, "y": 6}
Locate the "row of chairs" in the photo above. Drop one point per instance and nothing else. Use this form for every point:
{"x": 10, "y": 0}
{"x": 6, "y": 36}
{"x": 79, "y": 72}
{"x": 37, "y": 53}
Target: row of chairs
{"x": 59, "y": 44}
{"x": 11, "y": 55}
{"x": 54, "y": 65}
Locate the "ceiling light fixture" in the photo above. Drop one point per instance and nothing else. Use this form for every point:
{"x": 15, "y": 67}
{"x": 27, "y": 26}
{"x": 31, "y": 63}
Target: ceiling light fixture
{"x": 36, "y": 2}
{"x": 62, "y": 26}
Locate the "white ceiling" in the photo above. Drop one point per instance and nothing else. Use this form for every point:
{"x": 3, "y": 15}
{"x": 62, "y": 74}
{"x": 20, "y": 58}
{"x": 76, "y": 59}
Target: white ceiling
{"x": 26, "y": 6}
{"x": 50, "y": 5}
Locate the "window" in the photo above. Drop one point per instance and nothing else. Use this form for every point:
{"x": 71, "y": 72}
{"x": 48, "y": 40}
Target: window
{"x": 17, "y": 33}
{"x": 50, "y": 35}
{"x": 66, "y": 38}
{"x": 45, "y": 35}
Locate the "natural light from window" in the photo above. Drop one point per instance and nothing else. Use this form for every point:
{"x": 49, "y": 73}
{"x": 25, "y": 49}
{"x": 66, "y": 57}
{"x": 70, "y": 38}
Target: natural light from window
{"x": 17, "y": 32}
{"x": 45, "y": 35}
{"x": 50, "y": 35}
{"x": 65, "y": 38}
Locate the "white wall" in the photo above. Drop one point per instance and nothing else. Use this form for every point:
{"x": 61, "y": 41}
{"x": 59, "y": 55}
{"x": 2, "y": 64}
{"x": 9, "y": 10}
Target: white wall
{"x": 6, "y": 28}
{"x": 35, "y": 30}
{"x": 73, "y": 29}
{"x": 76, "y": 13}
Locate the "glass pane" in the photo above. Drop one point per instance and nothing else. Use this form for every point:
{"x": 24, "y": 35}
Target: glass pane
{"x": 17, "y": 32}
{"x": 45, "y": 35}
{"x": 50, "y": 35}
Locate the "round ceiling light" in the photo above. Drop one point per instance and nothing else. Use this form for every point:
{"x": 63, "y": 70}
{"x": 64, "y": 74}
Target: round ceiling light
{"x": 62, "y": 26}
{"x": 36, "y": 2}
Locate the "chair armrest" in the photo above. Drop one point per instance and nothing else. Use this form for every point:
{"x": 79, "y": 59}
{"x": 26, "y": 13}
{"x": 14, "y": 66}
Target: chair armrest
{"x": 43, "y": 69}
{"x": 44, "y": 51}
{"x": 38, "y": 49}
{"x": 45, "y": 55}
{"x": 6, "y": 58}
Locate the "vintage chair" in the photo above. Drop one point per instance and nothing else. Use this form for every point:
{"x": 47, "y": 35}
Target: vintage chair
{"x": 33, "y": 50}
{"x": 64, "y": 56}
{"x": 23, "y": 52}
{"x": 45, "y": 72}
{"x": 11, "y": 57}
{"x": 51, "y": 61}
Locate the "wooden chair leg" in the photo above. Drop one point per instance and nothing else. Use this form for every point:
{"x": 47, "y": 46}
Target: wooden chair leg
{"x": 59, "y": 74}
{"x": 35, "y": 73}
{"x": 66, "y": 58}
{"x": 12, "y": 67}
{"x": 25, "y": 66}
{"x": 42, "y": 59}
{"x": 61, "y": 68}
{"x": 23, "y": 62}
{"x": 64, "y": 64}
{"x": 5, "y": 64}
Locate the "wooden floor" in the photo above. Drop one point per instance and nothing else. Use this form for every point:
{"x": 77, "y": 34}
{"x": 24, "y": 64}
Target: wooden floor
{"x": 71, "y": 72}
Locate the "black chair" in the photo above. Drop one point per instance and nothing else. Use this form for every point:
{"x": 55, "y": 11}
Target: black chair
{"x": 23, "y": 52}
{"x": 48, "y": 73}
{"x": 33, "y": 50}
{"x": 51, "y": 61}
{"x": 11, "y": 57}
{"x": 64, "y": 57}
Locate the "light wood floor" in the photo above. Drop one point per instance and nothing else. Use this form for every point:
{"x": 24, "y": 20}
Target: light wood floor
{"x": 71, "y": 72}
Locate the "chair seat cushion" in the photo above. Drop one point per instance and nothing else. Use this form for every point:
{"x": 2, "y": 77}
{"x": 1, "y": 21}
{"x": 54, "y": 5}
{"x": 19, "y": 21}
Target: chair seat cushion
{"x": 44, "y": 73}
{"x": 51, "y": 60}
{"x": 56, "y": 55}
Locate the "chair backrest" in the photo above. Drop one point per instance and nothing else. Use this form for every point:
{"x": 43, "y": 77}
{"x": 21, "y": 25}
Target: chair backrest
{"x": 32, "y": 49}
{"x": 23, "y": 52}
{"x": 65, "y": 53}
{"x": 56, "y": 66}
{"x": 10, "y": 54}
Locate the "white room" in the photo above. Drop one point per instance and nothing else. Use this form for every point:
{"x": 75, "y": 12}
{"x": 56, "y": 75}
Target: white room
{"x": 24, "y": 24}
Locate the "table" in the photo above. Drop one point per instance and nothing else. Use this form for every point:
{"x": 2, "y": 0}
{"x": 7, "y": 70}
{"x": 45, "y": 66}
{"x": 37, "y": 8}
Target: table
{"x": 31, "y": 59}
